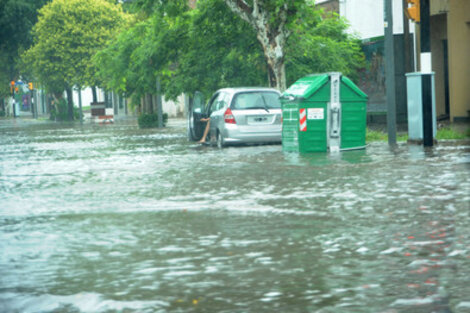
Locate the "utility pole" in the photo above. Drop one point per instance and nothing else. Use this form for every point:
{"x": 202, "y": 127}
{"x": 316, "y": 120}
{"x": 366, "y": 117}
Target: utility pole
{"x": 407, "y": 39}
{"x": 390, "y": 73}
{"x": 13, "y": 86}
{"x": 31, "y": 95}
{"x": 426, "y": 70}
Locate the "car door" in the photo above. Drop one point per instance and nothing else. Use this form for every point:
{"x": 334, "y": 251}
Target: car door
{"x": 196, "y": 111}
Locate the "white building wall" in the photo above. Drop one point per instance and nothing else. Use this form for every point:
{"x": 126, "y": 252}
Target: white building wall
{"x": 174, "y": 108}
{"x": 87, "y": 96}
{"x": 366, "y": 17}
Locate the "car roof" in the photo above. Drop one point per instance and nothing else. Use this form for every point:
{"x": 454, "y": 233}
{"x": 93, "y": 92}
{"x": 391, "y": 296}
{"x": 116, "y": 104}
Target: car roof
{"x": 247, "y": 89}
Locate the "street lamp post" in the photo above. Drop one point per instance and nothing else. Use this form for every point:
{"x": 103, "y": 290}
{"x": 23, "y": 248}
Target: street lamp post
{"x": 13, "y": 96}
{"x": 390, "y": 73}
{"x": 426, "y": 70}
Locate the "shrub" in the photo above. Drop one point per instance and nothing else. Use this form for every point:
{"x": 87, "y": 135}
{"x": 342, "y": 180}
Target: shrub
{"x": 150, "y": 120}
{"x": 59, "y": 110}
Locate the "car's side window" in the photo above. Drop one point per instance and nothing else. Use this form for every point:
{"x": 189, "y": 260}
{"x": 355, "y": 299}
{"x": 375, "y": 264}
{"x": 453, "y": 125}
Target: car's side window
{"x": 221, "y": 101}
{"x": 226, "y": 100}
{"x": 218, "y": 102}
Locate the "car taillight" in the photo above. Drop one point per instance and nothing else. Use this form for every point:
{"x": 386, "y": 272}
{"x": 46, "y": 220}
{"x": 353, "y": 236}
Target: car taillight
{"x": 228, "y": 117}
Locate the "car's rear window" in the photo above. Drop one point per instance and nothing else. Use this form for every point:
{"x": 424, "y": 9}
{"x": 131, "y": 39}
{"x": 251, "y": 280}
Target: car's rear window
{"x": 256, "y": 100}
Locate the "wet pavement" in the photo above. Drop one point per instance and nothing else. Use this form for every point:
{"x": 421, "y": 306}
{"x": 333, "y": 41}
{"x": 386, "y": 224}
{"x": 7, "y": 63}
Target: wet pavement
{"x": 110, "y": 218}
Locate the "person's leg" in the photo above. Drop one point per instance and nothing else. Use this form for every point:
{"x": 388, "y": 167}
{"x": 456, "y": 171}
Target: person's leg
{"x": 206, "y": 131}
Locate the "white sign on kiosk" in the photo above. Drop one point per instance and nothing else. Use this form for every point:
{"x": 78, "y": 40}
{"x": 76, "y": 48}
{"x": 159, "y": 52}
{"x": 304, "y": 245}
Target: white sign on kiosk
{"x": 315, "y": 114}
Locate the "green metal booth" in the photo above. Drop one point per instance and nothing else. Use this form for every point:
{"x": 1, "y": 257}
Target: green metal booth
{"x": 323, "y": 112}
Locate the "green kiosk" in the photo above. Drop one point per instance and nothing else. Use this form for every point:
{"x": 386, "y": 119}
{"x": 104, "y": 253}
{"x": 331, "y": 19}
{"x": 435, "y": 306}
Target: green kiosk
{"x": 323, "y": 112}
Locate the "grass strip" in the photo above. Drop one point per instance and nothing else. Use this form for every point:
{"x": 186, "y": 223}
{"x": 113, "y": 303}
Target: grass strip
{"x": 445, "y": 133}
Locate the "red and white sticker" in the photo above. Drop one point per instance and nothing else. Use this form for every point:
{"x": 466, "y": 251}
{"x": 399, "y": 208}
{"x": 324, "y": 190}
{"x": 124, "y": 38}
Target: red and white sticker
{"x": 303, "y": 120}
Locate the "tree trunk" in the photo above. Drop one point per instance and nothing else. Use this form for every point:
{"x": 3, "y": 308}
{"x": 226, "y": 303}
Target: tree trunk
{"x": 106, "y": 100}
{"x": 276, "y": 70}
{"x": 49, "y": 102}
{"x": 95, "y": 97}
{"x": 148, "y": 103}
{"x": 158, "y": 100}
{"x": 271, "y": 35}
{"x": 69, "y": 92}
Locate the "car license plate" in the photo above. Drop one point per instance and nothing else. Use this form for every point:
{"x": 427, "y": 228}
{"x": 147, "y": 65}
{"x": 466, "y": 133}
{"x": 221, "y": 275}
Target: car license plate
{"x": 258, "y": 119}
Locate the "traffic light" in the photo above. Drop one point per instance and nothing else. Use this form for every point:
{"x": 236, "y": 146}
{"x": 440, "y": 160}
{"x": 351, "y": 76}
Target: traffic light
{"x": 30, "y": 86}
{"x": 412, "y": 12}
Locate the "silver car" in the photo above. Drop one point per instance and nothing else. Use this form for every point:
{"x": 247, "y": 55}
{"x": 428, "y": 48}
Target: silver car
{"x": 237, "y": 115}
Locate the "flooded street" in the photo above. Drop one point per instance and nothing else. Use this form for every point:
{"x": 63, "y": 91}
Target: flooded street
{"x": 111, "y": 218}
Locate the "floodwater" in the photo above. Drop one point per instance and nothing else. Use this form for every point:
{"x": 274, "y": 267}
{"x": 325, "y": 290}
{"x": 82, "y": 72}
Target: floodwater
{"x": 116, "y": 219}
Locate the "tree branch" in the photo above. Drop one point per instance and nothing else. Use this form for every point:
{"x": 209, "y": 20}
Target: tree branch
{"x": 282, "y": 28}
{"x": 242, "y": 9}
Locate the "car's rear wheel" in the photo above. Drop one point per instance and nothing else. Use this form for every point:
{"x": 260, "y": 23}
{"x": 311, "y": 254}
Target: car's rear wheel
{"x": 220, "y": 140}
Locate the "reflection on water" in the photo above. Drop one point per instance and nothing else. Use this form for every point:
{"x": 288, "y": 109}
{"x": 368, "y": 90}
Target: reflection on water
{"x": 117, "y": 219}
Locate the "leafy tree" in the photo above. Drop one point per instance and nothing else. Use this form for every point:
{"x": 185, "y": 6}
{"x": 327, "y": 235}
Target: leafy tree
{"x": 210, "y": 47}
{"x": 272, "y": 21}
{"x": 195, "y": 50}
{"x": 131, "y": 64}
{"x": 293, "y": 32}
{"x": 147, "y": 8}
{"x": 67, "y": 35}
{"x": 115, "y": 61}
{"x": 220, "y": 50}
{"x": 323, "y": 47}
{"x": 17, "y": 17}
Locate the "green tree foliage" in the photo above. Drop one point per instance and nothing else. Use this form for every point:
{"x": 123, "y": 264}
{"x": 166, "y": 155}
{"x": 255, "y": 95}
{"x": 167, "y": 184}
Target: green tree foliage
{"x": 17, "y": 17}
{"x": 294, "y": 32}
{"x": 131, "y": 63}
{"x": 195, "y": 50}
{"x": 323, "y": 46}
{"x": 147, "y": 8}
{"x": 220, "y": 50}
{"x": 210, "y": 47}
{"x": 116, "y": 66}
{"x": 271, "y": 20}
{"x": 68, "y": 33}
